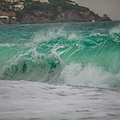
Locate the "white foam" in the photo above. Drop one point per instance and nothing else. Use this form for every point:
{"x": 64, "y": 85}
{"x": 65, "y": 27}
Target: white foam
{"x": 115, "y": 30}
{"x": 91, "y": 75}
{"x": 96, "y": 34}
{"x": 50, "y": 34}
{"x": 6, "y": 45}
{"x": 115, "y": 33}
{"x": 73, "y": 37}
{"x": 31, "y": 44}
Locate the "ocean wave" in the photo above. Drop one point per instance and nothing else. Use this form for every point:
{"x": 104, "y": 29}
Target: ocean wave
{"x": 68, "y": 54}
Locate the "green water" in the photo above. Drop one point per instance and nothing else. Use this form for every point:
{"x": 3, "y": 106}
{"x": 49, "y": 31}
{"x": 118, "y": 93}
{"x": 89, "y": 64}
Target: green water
{"x": 69, "y": 53}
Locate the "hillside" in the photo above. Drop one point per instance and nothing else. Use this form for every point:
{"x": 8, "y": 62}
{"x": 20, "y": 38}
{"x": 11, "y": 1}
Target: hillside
{"x": 45, "y": 11}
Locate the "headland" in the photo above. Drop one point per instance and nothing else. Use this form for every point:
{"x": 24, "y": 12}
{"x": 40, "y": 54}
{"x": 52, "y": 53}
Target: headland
{"x": 45, "y": 11}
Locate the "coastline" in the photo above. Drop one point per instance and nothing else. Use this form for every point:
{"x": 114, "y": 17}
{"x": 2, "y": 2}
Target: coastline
{"x": 42, "y": 22}
{"x": 52, "y": 12}
{"x": 59, "y": 23}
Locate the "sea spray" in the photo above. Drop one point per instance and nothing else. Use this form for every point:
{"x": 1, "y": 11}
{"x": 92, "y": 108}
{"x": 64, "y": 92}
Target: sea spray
{"x": 90, "y": 75}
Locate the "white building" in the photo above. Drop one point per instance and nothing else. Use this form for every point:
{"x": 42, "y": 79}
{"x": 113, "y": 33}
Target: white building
{"x": 24, "y": 0}
{"x": 41, "y": 1}
{"x": 44, "y": 1}
{"x": 12, "y": 1}
{"x": 4, "y": 17}
{"x": 19, "y": 7}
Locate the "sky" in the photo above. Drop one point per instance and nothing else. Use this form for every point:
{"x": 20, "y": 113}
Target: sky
{"x": 109, "y": 7}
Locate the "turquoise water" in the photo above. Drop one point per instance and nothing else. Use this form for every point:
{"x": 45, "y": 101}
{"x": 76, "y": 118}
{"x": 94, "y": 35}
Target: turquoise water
{"x": 61, "y": 71}
{"x": 69, "y": 53}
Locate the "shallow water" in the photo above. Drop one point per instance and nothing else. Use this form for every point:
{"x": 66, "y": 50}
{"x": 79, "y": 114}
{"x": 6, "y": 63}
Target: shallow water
{"x": 21, "y": 100}
{"x": 67, "y": 71}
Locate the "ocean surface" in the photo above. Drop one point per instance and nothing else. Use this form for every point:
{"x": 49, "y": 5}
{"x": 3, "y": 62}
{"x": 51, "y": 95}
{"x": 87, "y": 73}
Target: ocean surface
{"x": 60, "y": 71}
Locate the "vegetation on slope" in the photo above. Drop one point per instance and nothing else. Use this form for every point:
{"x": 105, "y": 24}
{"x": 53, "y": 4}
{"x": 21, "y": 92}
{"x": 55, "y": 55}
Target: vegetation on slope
{"x": 54, "y": 11}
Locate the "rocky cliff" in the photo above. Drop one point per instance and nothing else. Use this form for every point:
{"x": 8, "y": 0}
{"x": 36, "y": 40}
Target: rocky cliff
{"x": 54, "y": 11}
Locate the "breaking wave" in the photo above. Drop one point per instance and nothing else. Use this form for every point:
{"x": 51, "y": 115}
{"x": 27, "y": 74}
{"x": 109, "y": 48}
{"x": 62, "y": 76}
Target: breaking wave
{"x": 65, "y": 55}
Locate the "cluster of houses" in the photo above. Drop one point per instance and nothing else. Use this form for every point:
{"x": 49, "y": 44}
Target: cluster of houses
{"x": 24, "y": 0}
{"x": 18, "y": 6}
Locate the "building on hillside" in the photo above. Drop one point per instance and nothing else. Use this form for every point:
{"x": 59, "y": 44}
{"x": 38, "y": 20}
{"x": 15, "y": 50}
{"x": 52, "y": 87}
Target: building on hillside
{"x": 12, "y": 1}
{"x": 44, "y": 1}
{"x": 40, "y": 1}
{"x": 4, "y": 19}
{"x": 71, "y": 2}
{"x": 24, "y": 0}
{"x": 36, "y": 0}
{"x": 19, "y": 7}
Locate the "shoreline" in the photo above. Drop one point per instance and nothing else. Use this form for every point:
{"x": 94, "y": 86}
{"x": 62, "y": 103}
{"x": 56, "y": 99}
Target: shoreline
{"x": 60, "y": 22}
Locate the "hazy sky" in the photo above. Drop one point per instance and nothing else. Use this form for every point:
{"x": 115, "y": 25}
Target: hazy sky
{"x": 109, "y": 7}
